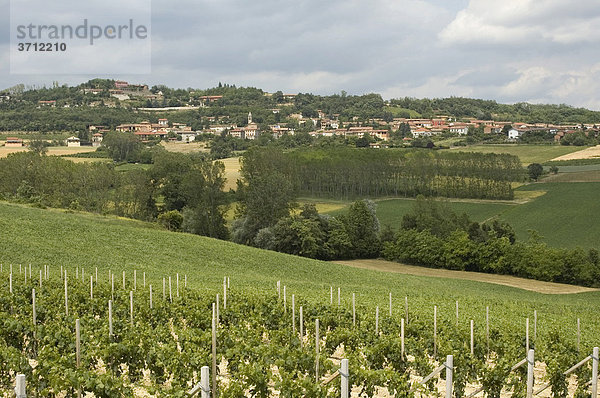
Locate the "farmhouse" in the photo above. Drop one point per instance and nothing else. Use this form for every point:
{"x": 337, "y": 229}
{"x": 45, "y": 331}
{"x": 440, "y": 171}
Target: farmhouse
{"x": 13, "y": 142}
{"x": 73, "y": 142}
{"x": 97, "y": 139}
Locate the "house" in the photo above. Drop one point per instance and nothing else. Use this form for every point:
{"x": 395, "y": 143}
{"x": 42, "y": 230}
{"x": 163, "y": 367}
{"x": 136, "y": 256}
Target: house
{"x": 13, "y": 142}
{"x": 237, "y": 133}
{"x": 148, "y": 135}
{"x": 210, "y": 98}
{"x": 251, "y": 131}
{"x": 97, "y": 139}
{"x": 421, "y": 132}
{"x": 47, "y": 103}
{"x": 188, "y": 136}
{"x": 381, "y": 134}
{"x": 94, "y": 91}
{"x": 458, "y": 128}
{"x": 514, "y": 134}
{"x": 379, "y": 145}
{"x": 120, "y": 84}
{"x": 73, "y": 142}
{"x": 163, "y": 122}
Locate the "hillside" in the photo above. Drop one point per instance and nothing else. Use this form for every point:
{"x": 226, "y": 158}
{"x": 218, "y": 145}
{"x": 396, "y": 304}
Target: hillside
{"x": 57, "y": 238}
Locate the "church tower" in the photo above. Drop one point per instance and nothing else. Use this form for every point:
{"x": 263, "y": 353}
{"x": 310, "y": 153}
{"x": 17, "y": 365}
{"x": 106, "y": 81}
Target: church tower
{"x": 249, "y": 117}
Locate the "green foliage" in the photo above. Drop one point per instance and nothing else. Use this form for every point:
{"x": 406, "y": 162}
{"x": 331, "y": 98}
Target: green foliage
{"x": 39, "y": 147}
{"x": 264, "y": 197}
{"x": 535, "y": 170}
{"x": 579, "y": 138}
{"x": 362, "y": 227}
{"x": 434, "y": 236}
{"x": 121, "y": 146}
{"x": 171, "y": 220}
{"x": 344, "y": 173}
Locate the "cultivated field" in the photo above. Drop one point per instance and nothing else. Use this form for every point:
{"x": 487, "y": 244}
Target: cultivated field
{"x": 232, "y": 172}
{"x": 55, "y": 151}
{"x": 184, "y": 147}
{"x": 587, "y": 153}
{"x": 527, "y": 153}
{"x": 558, "y": 208}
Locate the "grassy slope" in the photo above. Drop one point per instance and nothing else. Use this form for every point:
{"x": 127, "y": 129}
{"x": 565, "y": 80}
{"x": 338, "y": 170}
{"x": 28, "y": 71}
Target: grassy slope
{"x": 527, "y": 153}
{"x": 57, "y": 238}
{"x": 564, "y": 215}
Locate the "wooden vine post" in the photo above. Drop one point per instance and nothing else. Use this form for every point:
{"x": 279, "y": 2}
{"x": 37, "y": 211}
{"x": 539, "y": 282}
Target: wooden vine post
{"x": 353, "y": 309}
{"x": 317, "y": 351}
{"x": 214, "y": 351}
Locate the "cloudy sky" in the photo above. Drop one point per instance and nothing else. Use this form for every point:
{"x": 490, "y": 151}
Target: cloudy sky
{"x": 542, "y": 51}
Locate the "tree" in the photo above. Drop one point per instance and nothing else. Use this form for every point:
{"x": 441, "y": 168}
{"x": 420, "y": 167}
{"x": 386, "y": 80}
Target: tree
{"x": 362, "y": 227}
{"x": 206, "y": 203}
{"x": 121, "y": 146}
{"x": 263, "y": 200}
{"x": 38, "y": 146}
{"x": 535, "y": 170}
{"x": 171, "y": 220}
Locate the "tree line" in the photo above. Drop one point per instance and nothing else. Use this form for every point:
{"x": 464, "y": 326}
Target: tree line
{"x": 432, "y": 235}
{"x": 184, "y": 192}
{"x": 346, "y": 173}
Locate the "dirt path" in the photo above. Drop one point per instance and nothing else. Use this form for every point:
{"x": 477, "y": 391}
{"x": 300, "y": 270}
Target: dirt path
{"x": 521, "y": 283}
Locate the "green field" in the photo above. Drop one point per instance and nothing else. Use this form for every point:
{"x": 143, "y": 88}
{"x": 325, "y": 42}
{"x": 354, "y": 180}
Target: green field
{"x": 563, "y": 215}
{"x": 397, "y": 111}
{"x": 132, "y": 166}
{"x": 527, "y": 153}
{"x": 76, "y": 240}
{"x": 391, "y": 211}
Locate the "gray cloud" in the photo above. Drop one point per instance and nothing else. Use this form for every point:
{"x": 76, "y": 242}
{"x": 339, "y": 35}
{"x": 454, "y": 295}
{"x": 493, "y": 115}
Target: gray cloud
{"x": 515, "y": 50}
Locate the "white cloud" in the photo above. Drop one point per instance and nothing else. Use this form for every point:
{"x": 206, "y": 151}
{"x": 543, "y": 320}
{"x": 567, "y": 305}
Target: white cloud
{"x": 524, "y": 23}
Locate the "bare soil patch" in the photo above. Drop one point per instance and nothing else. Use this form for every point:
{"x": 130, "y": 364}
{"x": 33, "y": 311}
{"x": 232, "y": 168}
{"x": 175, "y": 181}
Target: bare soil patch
{"x": 512, "y": 281}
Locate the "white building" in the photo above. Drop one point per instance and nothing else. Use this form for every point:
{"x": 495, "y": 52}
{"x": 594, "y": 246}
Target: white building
{"x": 188, "y": 136}
{"x": 73, "y": 142}
{"x": 514, "y": 134}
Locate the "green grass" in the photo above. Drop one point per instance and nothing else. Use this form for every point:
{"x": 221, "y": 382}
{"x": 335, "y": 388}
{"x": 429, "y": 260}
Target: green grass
{"x": 573, "y": 162}
{"x": 391, "y": 211}
{"x": 565, "y": 216}
{"x": 527, "y": 153}
{"x": 132, "y": 166}
{"x": 397, "y": 111}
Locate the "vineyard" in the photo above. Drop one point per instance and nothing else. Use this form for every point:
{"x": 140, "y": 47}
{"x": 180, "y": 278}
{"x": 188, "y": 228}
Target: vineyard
{"x": 108, "y": 334}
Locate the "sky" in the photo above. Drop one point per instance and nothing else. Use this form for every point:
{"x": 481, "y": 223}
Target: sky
{"x": 539, "y": 51}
